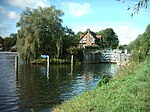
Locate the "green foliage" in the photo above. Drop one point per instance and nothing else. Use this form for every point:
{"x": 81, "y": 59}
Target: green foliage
{"x": 122, "y": 47}
{"x": 72, "y": 50}
{"x": 109, "y": 38}
{"x": 1, "y": 41}
{"x": 139, "y": 4}
{"x": 39, "y": 61}
{"x": 79, "y": 55}
{"x": 9, "y": 42}
{"x": 138, "y": 57}
{"x": 40, "y": 32}
{"x": 90, "y": 48}
{"x": 52, "y": 61}
{"x": 127, "y": 93}
{"x": 70, "y": 43}
{"x": 79, "y": 33}
{"x": 142, "y": 43}
{"x": 104, "y": 79}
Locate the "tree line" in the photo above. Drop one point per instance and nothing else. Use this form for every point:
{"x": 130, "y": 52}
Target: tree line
{"x": 8, "y": 43}
{"x": 142, "y": 43}
{"x": 41, "y": 32}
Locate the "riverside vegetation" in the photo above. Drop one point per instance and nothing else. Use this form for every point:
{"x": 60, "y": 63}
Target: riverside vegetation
{"x": 127, "y": 91}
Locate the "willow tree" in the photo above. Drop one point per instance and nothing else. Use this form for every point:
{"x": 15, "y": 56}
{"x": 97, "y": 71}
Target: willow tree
{"x": 40, "y": 32}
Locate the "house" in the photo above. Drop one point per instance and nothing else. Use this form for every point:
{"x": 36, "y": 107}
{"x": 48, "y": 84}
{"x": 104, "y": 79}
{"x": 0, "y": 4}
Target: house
{"x": 1, "y": 43}
{"x": 1, "y": 47}
{"x": 89, "y": 38}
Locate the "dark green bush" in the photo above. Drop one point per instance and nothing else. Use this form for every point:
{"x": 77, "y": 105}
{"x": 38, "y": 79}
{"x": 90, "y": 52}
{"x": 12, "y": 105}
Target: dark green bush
{"x": 104, "y": 79}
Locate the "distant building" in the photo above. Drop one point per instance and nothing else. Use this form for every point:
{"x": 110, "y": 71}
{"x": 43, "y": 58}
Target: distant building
{"x": 89, "y": 38}
{"x": 1, "y": 47}
{"x": 1, "y": 43}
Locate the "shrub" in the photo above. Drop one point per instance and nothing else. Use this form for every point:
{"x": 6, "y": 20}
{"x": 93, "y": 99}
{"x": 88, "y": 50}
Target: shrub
{"x": 104, "y": 79}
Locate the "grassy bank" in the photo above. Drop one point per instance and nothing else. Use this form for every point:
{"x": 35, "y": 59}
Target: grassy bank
{"x": 52, "y": 61}
{"x": 127, "y": 92}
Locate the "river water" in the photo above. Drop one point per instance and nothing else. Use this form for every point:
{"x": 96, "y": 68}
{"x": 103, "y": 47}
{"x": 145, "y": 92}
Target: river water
{"x": 33, "y": 90}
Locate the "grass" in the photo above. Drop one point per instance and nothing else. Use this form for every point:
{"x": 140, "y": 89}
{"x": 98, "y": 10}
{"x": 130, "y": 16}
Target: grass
{"x": 52, "y": 61}
{"x": 127, "y": 92}
{"x": 39, "y": 61}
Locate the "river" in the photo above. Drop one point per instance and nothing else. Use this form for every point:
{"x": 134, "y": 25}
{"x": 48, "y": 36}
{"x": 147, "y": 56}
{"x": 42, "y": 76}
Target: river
{"x": 33, "y": 90}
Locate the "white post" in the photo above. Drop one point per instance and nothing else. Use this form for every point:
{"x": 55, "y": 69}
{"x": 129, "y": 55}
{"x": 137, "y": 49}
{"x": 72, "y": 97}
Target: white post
{"x": 72, "y": 59}
{"x": 16, "y": 64}
{"x": 71, "y": 64}
{"x": 125, "y": 51}
{"x": 48, "y": 67}
{"x": 71, "y": 69}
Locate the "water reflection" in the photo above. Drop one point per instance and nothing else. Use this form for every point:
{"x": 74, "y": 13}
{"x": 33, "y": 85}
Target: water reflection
{"x": 35, "y": 90}
{"x": 38, "y": 92}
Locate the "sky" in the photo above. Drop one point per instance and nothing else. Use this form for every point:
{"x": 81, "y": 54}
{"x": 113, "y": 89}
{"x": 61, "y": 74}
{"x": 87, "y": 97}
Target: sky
{"x": 79, "y": 15}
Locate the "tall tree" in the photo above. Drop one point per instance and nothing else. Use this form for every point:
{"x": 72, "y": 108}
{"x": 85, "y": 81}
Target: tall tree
{"x": 40, "y": 32}
{"x": 109, "y": 38}
{"x": 9, "y": 42}
{"x": 69, "y": 40}
{"x": 142, "y": 42}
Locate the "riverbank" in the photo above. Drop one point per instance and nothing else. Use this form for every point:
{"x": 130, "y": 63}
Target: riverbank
{"x": 127, "y": 91}
{"x": 52, "y": 61}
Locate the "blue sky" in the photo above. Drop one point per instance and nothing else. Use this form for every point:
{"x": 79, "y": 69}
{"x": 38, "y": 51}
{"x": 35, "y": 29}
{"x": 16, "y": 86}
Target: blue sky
{"x": 82, "y": 14}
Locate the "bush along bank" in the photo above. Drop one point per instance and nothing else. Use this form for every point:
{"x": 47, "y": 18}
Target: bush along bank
{"x": 52, "y": 61}
{"x": 128, "y": 91}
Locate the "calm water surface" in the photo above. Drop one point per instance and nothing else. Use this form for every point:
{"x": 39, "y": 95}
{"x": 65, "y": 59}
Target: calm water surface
{"x": 32, "y": 89}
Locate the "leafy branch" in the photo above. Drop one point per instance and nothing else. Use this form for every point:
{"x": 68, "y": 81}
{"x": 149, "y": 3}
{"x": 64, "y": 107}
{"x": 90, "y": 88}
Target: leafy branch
{"x": 140, "y": 4}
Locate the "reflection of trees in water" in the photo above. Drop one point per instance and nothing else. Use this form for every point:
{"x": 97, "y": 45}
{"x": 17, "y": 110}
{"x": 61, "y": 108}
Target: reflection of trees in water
{"x": 91, "y": 71}
{"x": 38, "y": 92}
{"x": 87, "y": 77}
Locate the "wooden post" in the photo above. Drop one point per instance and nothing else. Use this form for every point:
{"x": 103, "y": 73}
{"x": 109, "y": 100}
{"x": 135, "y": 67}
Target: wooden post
{"x": 48, "y": 67}
{"x": 16, "y": 64}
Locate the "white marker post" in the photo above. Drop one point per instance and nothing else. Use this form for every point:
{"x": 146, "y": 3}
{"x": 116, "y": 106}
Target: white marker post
{"x": 48, "y": 67}
{"x": 72, "y": 59}
{"x": 16, "y": 64}
{"x": 47, "y": 56}
{"x": 71, "y": 64}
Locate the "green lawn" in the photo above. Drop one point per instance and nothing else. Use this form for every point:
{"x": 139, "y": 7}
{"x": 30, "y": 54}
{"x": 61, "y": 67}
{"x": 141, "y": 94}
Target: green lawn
{"x": 129, "y": 91}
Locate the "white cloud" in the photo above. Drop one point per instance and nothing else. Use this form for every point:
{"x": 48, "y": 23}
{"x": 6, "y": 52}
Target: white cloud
{"x": 6, "y": 14}
{"x": 29, "y": 3}
{"x": 78, "y": 9}
{"x": 13, "y": 15}
{"x": 126, "y": 32}
{"x": 7, "y": 21}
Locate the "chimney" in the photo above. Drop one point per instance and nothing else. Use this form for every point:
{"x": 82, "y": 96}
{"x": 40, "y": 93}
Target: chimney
{"x": 88, "y": 38}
